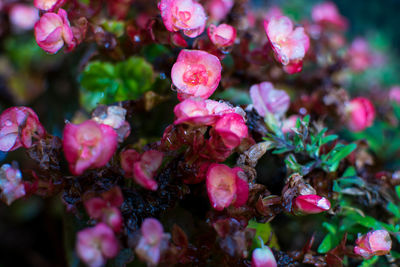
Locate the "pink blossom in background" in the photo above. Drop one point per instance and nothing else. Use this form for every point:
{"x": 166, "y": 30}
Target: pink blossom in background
{"x": 360, "y": 114}
{"x": 273, "y": 12}
{"x": 219, "y": 9}
{"x": 53, "y": 30}
{"x": 95, "y": 245}
{"x": 196, "y": 73}
{"x": 151, "y": 241}
{"x": 88, "y": 145}
{"x": 394, "y": 94}
{"x": 49, "y": 5}
{"x": 359, "y": 55}
{"x": 143, "y": 167}
{"x": 18, "y": 127}
{"x": 290, "y": 45}
{"x": 222, "y": 35}
{"x": 185, "y": 15}
{"x": 373, "y": 243}
{"x": 268, "y": 99}
{"x": 263, "y": 257}
{"x": 11, "y": 184}
{"x": 289, "y": 123}
{"x": 327, "y": 13}
{"x": 23, "y": 17}
{"x": 311, "y": 204}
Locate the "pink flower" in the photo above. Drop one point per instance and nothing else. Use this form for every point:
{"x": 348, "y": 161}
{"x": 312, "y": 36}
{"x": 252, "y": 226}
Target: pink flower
{"x": 150, "y": 243}
{"x": 311, "y": 204}
{"x": 226, "y": 186}
{"x": 53, "y": 30}
{"x": 106, "y": 208}
{"x": 274, "y": 11}
{"x": 219, "y": 9}
{"x": 232, "y": 129}
{"x": 88, "y": 145}
{"x": 18, "y": 126}
{"x": 373, "y": 243}
{"x": 196, "y": 73}
{"x": 142, "y": 167}
{"x": 326, "y": 13}
{"x": 222, "y": 35}
{"x": 359, "y": 55}
{"x": 263, "y": 257}
{"x": 23, "y": 17}
{"x": 11, "y": 184}
{"x": 96, "y": 244}
{"x": 186, "y": 15}
{"x": 48, "y": 5}
{"x": 360, "y": 114}
{"x": 268, "y": 99}
{"x": 394, "y": 94}
{"x": 289, "y": 45}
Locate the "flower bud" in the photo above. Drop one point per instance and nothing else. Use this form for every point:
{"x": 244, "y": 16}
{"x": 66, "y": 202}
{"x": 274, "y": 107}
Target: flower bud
{"x": 48, "y": 5}
{"x": 263, "y": 257}
{"x": 11, "y": 184}
{"x": 222, "y": 35}
{"x": 196, "y": 73}
{"x": 311, "y": 204}
{"x": 373, "y": 243}
{"x": 53, "y": 30}
{"x": 232, "y": 129}
{"x": 96, "y": 244}
{"x": 185, "y": 15}
{"x": 360, "y": 114}
{"x": 88, "y": 145}
{"x": 23, "y": 17}
{"x": 268, "y": 99}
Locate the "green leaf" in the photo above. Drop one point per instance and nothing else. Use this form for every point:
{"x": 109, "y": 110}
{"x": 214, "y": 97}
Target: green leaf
{"x": 369, "y": 262}
{"x": 327, "y": 244}
{"x": 393, "y": 209}
{"x": 397, "y": 188}
{"x": 328, "y": 138}
{"x": 349, "y": 172}
{"x": 263, "y": 230}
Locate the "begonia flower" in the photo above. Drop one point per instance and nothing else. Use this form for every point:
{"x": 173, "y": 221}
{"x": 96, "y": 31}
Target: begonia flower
{"x": 327, "y": 14}
{"x": 263, "y": 257}
{"x": 223, "y": 35}
{"x": 232, "y": 129}
{"x": 185, "y": 15}
{"x": 394, "y": 94}
{"x": 106, "y": 208}
{"x": 360, "y": 114}
{"x": 226, "y": 186}
{"x": 373, "y": 243}
{"x": 196, "y": 73}
{"x": 359, "y": 55}
{"x": 142, "y": 167}
{"x": 219, "y": 9}
{"x": 151, "y": 241}
{"x": 11, "y": 184}
{"x": 267, "y": 99}
{"x": 18, "y": 127}
{"x": 23, "y": 17}
{"x": 48, "y": 5}
{"x": 311, "y": 204}
{"x": 88, "y": 145}
{"x": 289, "y": 45}
{"x": 53, "y": 30}
{"x": 96, "y": 244}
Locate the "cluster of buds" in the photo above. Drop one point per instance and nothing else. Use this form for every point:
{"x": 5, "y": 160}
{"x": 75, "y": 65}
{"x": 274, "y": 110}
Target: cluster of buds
{"x": 19, "y": 127}
{"x": 106, "y": 208}
{"x": 11, "y": 184}
{"x": 142, "y": 168}
{"x": 373, "y": 243}
{"x": 360, "y": 114}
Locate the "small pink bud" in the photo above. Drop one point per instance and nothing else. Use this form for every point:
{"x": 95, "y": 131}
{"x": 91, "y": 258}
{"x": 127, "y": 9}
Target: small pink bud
{"x": 48, "y": 5}
{"x": 326, "y": 13}
{"x": 185, "y": 15}
{"x": 23, "y": 17}
{"x": 222, "y": 35}
{"x": 359, "y": 55}
{"x": 311, "y": 204}
{"x": 360, "y": 114}
{"x": 289, "y": 45}
{"x": 18, "y": 126}
{"x": 53, "y": 30}
{"x": 268, "y": 99}
{"x": 394, "y": 94}
{"x": 263, "y": 257}
{"x": 149, "y": 247}
{"x": 96, "y": 244}
{"x": 219, "y": 9}
{"x": 221, "y": 185}
{"x": 88, "y": 145}
{"x": 178, "y": 40}
{"x": 373, "y": 243}
{"x": 11, "y": 184}
{"x": 196, "y": 73}
{"x": 232, "y": 129}
{"x": 194, "y": 112}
